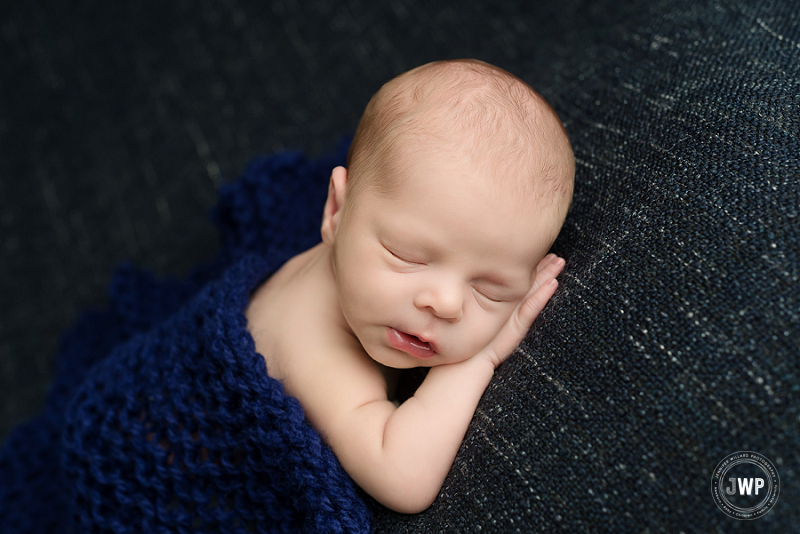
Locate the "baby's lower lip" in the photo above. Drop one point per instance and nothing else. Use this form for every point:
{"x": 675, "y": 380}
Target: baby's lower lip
{"x": 410, "y": 344}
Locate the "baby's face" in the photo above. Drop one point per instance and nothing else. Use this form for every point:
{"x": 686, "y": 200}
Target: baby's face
{"x": 428, "y": 274}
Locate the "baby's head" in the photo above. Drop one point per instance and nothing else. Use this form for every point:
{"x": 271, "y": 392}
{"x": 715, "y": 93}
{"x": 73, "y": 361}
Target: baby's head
{"x": 457, "y": 183}
{"x": 486, "y": 116}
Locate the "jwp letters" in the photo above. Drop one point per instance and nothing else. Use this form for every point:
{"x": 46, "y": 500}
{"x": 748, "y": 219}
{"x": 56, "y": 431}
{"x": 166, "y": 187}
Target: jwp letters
{"x": 745, "y": 485}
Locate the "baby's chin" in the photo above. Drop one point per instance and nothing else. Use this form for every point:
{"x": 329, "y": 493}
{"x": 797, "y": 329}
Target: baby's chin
{"x": 395, "y": 359}
{"x": 401, "y": 362}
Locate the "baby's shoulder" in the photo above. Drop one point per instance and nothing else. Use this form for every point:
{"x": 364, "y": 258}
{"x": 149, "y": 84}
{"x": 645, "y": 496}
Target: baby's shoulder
{"x": 292, "y": 319}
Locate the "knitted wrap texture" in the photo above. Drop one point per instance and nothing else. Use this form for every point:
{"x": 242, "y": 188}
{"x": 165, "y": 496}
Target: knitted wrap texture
{"x": 163, "y": 418}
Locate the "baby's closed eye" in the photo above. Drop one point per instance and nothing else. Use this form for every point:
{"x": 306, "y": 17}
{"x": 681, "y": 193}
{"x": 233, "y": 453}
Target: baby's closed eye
{"x": 486, "y": 294}
{"x": 497, "y": 295}
{"x": 403, "y": 257}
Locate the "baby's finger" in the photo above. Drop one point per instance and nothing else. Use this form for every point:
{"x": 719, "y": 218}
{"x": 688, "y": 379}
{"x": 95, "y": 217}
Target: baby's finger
{"x": 547, "y": 272}
{"x": 521, "y": 321}
{"x": 532, "y": 306}
{"x": 545, "y": 261}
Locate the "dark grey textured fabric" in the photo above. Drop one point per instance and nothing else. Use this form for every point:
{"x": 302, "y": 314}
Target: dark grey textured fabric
{"x": 674, "y": 339}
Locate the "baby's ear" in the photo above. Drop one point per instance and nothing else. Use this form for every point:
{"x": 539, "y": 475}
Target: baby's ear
{"x": 333, "y": 206}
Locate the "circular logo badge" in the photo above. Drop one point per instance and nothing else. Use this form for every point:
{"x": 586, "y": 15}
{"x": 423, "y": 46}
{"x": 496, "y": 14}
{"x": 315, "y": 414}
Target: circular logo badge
{"x": 745, "y": 485}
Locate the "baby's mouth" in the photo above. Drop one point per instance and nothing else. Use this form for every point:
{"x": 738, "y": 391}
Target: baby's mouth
{"x": 410, "y": 344}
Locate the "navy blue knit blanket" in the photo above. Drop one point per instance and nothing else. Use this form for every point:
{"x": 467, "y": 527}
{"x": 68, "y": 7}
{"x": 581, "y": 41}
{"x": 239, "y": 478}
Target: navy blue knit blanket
{"x": 163, "y": 418}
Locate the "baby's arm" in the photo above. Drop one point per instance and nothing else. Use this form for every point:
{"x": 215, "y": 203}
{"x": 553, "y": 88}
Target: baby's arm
{"x": 401, "y": 456}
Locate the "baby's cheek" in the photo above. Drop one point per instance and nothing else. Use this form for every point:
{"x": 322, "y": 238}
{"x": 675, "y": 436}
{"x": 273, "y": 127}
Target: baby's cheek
{"x": 368, "y": 282}
{"x": 487, "y": 328}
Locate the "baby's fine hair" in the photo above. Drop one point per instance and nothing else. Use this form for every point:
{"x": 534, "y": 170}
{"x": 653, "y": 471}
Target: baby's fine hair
{"x": 485, "y": 112}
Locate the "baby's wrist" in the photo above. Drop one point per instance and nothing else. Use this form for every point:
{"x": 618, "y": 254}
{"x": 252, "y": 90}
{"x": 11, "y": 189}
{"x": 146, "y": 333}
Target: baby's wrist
{"x": 485, "y": 361}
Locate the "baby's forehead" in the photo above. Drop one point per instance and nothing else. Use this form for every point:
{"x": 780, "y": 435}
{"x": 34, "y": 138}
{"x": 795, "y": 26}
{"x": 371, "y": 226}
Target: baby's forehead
{"x": 449, "y": 173}
{"x": 468, "y": 212}
{"x": 501, "y": 162}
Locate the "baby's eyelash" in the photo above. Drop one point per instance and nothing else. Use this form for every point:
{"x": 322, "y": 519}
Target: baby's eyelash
{"x": 401, "y": 258}
{"x": 487, "y": 297}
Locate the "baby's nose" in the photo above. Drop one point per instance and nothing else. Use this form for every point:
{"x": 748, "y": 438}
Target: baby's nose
{"x": 444, "y": 302}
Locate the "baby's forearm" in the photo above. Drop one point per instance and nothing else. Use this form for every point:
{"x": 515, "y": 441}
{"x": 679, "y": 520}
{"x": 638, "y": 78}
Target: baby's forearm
{"x": 422, "y": 436}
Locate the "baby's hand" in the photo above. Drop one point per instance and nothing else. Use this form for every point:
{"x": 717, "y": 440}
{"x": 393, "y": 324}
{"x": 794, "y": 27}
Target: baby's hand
{"x": 542, "y": 288}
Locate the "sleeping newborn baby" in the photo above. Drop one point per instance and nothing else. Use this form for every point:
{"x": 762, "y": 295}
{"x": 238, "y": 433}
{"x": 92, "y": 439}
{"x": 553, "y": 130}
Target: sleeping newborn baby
{"x": 433, "y": 254}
